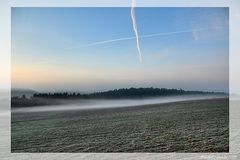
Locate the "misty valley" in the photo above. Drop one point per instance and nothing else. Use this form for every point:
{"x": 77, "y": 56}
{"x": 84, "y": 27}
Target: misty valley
{"x": 147, "y": 120}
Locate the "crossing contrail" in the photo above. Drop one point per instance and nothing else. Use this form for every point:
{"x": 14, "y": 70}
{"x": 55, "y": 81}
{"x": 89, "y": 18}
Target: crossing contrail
{"x": 140, "y": 37}
{"x": 193, "y": 31}
{"x": 135, "y": 29}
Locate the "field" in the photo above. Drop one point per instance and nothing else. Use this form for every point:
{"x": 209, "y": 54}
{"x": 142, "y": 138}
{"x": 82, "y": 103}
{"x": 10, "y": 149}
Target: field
{"x": 188, "y": 126}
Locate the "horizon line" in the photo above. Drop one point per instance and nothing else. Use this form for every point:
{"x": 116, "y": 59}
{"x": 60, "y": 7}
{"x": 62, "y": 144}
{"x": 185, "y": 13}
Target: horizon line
{"x": 105, "y": 90}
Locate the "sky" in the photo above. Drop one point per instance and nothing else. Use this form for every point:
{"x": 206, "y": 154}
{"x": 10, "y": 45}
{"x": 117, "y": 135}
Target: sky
{"x": 94, "y": 49}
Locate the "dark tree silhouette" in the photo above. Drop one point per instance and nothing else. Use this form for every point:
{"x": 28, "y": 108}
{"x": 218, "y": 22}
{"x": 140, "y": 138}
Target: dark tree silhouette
{"x": 39, "y": 99}
{"x": 122, "y": 93}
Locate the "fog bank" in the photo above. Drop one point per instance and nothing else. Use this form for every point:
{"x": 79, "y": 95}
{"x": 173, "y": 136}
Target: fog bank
{"x": 106, "y": 103}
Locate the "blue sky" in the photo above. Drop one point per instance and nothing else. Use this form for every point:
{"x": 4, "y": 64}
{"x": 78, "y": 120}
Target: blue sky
{"x": 54, "y": 48}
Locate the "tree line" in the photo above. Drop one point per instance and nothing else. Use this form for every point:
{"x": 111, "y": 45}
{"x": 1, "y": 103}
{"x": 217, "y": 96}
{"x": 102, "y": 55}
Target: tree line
{"x": 120, "y": 93}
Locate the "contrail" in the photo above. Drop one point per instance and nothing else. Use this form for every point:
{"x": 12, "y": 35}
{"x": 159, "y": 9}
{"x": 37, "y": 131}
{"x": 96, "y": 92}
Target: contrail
{"x": 140, "y": 37}
{"x": 135, "y": 29}
{"x": 109, "y": 41}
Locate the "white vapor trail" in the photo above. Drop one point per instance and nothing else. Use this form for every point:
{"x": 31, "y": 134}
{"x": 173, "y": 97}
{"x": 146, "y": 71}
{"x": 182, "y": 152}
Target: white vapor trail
{"x": 140, "y": 37}
{"x": 135, "y": 29}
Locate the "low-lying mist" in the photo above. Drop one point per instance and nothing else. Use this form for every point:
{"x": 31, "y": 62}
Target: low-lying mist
{"x": 106, "y": 103}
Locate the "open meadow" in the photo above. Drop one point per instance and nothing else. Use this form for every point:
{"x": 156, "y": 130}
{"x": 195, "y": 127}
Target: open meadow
{"x": 187, "y": 126}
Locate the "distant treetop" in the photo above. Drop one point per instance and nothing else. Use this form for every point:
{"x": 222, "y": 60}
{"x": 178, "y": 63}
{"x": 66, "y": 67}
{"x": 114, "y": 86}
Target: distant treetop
{"x": 123, "y": 93}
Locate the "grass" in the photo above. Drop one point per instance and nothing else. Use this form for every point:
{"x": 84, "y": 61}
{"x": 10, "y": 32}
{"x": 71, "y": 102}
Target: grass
{"x": 190, "y": 126}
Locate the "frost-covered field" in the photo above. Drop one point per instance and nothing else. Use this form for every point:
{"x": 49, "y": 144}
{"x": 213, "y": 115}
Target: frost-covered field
{"x": 186, "y": 126}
